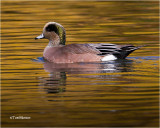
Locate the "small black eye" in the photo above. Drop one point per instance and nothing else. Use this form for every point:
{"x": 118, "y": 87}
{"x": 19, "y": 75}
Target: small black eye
{"x": 52, "y": 27}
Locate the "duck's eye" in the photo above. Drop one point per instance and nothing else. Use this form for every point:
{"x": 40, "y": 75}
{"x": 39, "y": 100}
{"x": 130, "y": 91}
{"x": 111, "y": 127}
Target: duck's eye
{"x": 51, "y": 27}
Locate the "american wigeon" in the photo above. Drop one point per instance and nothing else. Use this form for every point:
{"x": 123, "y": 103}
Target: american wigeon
{"x": 56, "y": 51}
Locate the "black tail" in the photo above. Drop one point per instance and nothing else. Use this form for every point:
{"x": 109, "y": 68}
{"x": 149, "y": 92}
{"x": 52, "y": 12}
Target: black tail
{"x": 125, "y": 50}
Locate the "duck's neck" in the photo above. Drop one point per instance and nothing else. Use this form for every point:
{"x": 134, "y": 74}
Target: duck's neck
{"x": 54, "y": 42}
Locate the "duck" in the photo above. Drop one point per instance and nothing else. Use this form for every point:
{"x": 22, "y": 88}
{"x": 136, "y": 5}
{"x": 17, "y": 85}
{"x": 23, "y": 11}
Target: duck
{"x": 57, "y": 52}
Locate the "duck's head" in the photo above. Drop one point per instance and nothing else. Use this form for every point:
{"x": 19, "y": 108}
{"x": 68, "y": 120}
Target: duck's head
{"x": 54, "y": 32}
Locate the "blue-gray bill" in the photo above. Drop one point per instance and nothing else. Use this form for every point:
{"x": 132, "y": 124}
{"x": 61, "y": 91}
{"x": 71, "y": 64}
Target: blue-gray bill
{"x": 40, "y": 37}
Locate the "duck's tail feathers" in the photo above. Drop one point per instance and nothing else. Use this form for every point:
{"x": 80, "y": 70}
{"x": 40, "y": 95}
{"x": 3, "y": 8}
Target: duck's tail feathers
{"x": 119, "y": 51}
{"x": 125, "y": 50}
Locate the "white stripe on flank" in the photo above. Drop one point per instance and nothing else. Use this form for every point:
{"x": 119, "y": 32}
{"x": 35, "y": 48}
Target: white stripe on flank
{"x": 109, "y": 57}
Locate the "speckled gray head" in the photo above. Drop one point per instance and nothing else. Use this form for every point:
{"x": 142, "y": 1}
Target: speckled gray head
{"x": 53, "y": 29}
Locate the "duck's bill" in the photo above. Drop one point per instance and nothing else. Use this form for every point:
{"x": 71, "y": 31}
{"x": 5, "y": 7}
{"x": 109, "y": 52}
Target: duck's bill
{"x": 40, "y": 37}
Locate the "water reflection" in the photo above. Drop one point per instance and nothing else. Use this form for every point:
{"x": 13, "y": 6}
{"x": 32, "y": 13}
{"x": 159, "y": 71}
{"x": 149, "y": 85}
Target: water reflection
{"x": 83, "y": 68}
{"x": 56, "y": 82}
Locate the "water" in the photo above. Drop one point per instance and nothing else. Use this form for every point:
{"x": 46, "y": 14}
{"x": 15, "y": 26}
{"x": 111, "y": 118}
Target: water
{"x": 122, "y": 93}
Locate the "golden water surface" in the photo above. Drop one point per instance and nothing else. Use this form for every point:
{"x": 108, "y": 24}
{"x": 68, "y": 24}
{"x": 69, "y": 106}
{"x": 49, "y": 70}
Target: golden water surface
{"x": 122, "y": 93}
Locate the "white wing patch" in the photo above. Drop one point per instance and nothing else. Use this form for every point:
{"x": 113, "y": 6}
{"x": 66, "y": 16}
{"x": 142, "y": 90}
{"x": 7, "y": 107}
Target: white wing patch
{"x": 109, "y": 57}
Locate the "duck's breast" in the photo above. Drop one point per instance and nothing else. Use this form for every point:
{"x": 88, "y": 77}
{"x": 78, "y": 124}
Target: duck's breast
{"x": 49, "y": 53}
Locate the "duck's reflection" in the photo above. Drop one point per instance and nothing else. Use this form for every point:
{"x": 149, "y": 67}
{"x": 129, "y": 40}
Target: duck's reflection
{"x": 56, "y": 81}
{"x": 85, "y": 68}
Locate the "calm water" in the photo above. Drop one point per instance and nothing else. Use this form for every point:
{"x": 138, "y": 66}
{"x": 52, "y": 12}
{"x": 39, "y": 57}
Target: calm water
{"x": 122, "y": 93}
